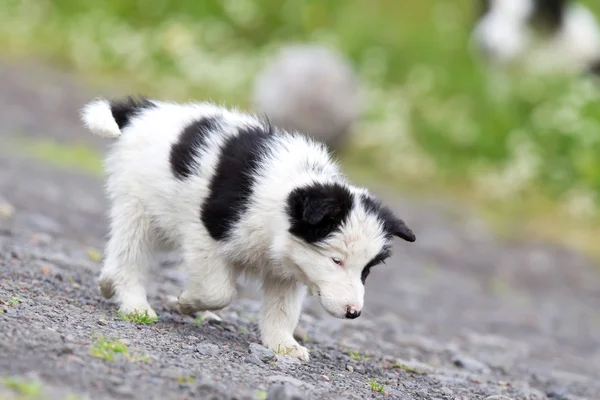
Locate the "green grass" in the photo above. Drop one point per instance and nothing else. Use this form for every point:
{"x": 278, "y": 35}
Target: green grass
{"x": 108, "y": 349}
{"x": 355, "y": 355}
{"x": 136, "y": 318}
{"x": 524, "y": 147}
{"x": 25, "y": 387}
{"x": 375, "y": 386}
{"x": 14, "y": 300}
{"x": 283, "y": 350}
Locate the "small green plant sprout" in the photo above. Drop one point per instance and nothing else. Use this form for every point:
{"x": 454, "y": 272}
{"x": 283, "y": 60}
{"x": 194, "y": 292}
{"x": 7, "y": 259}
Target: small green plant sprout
{"x": 261, "y": 394}
{"x": 355, "y": 355}
{"x": 375, "y": 386}
{"x": 29, "y": 388}
{"x": 284, "y": 350}
{"x": 186, "y": 379}
{"x": 199, "y": 319}
{"x": 107, "y": 349}
{"x": 138, "y": 357}
{"x": 137, "y": 318}
{"x": 14, "y": 300}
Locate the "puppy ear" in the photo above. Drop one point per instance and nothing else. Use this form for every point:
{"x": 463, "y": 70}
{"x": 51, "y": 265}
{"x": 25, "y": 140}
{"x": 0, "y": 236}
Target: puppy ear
{"x": 317, "y": 208}
{"x": 399, "y": 228}
{"x": 393, "y": 225}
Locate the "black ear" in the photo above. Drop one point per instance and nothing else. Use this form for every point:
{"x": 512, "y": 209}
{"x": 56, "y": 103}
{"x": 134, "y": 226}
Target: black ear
{"x": 393, "y": 225}
{"x": 399, "y": 228}
{"x": 317, "y": 207}
{"x": 317, "y": 210}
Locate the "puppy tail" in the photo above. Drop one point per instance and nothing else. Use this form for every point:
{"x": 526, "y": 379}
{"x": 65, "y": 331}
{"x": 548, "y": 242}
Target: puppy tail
{"x": 108, "y": 118}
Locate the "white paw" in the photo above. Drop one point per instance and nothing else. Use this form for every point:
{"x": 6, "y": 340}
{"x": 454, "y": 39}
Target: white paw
{"x": 139, "y": 307}
{"x": 287, "y": 348}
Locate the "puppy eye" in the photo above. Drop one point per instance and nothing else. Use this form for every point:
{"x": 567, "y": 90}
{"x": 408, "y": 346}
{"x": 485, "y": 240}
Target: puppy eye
{"x": 336, "y": 260}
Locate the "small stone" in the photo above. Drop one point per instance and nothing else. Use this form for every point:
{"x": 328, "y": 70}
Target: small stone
{"x": 253, "y": 359}
{"x": 288, "y": 379}
{"x": 350, "y": 368}
{"x": 207, "y": 349}
{"x": 287, "y": 360}
{"x": 325, "y": 378}
{"x": 284, "y": 392}
{"x": 446, "y": 391}
{"x": 412, "y": 366}
{"x": 498, "y": 397}
{"x": 469, "y": 363}
{"x": 7, "y": 210}
{"x": 126, "y": 342}
{"x": 263, "y": 354}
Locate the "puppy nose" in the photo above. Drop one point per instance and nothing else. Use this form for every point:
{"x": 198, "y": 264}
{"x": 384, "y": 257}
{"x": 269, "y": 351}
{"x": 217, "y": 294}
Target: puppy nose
{"x": 351, "y": 312}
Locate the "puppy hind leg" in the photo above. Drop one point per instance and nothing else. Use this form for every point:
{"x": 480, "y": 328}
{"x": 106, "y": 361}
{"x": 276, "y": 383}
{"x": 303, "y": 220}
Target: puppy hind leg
{"x": 127, "y": 256}
{"x": 211, "y": 284}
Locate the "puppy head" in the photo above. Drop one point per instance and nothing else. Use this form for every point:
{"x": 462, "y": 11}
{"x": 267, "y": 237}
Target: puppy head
{"x": 337, "y": 234}
{"x": 501, "y": 34}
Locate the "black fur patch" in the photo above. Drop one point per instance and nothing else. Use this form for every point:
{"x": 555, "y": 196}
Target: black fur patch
{"x": 192, "y": 139}
{"x": 594, "y": 69}
{"x": 318, "y": 210}
{"x": 483, "y": 7}
{"x": 124, "y": 110}
{"x": 548, "y": 15}
{"x": 383, "y": 255}
{"x": 393, "y": 225}
{"x": 232, "y": 184}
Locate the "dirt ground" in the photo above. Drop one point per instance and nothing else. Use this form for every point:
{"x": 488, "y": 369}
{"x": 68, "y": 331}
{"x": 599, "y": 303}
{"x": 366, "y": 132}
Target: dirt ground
{"x": 459, "y": 314}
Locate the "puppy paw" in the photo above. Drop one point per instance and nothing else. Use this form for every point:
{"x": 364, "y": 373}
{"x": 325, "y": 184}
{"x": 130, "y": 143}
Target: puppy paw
{"x": 106, "y": 286}
{"x": 137, "y": 308}
{"x": 287, "y": 348}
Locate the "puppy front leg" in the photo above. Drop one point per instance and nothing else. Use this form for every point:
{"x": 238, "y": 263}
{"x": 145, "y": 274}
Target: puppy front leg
{"x": 282, "y": 304}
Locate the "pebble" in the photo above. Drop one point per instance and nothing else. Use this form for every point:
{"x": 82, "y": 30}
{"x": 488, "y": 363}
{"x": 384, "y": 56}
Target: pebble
{"x": 287, "y": 360}
{"x": 414, "y": 367}
{"x": 498, "y": 397}
{"x": 288, "y": 379}
{"x": 284, "y": 392}
{"x": 469, "y": 363}
{"x": 253, "y": 359}
{"x": 265, "y": 355}
{"x": 7, "y": 210}
{"x": 207, "y": 349}
{"x": 350, "y": 368}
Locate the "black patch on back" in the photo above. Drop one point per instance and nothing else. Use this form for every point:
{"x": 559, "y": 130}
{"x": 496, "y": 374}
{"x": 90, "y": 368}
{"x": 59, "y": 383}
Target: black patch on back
{"x": 594, "y": 69}
{"x": 124, "y": 110}
{"x": 483, "y": 7}
{"x": 392, "y": 225}
{"x": 384, "y": 254}
{"x": 232, "y": 184}
{"x": 318, "y": 210}
{"x": 192, "y": 139}
{"x": 548, "y": 15}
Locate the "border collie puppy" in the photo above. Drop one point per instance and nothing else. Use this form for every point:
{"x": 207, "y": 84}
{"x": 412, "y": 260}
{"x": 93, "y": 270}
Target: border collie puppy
{"x": 546, "y": 35}
{"x": 236, "y": 196}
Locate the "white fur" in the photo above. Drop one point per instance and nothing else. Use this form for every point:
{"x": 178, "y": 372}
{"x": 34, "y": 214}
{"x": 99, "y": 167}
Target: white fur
{"x": 151, "y": 208}
{"x": 505, "y": 36}
{"x": 98, "y": 118}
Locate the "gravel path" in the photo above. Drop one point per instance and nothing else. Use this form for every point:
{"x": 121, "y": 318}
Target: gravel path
{"x": 457, "y": 315}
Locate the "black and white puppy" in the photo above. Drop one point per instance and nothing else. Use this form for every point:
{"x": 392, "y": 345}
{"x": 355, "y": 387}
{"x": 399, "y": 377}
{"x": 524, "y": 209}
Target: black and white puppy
{"x": 236, "y": 196}
{"x": 545, "y": 35}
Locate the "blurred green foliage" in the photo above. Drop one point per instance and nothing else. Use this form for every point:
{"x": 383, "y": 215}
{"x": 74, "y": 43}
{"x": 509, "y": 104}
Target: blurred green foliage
{"x": 434, "y": 113}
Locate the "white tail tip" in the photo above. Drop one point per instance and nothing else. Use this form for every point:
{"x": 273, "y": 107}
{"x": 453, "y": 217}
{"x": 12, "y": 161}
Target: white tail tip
{"x": 98, "y": 118}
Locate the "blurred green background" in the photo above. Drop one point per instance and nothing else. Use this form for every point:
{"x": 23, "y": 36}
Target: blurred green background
{"x": 520, "y": 147}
